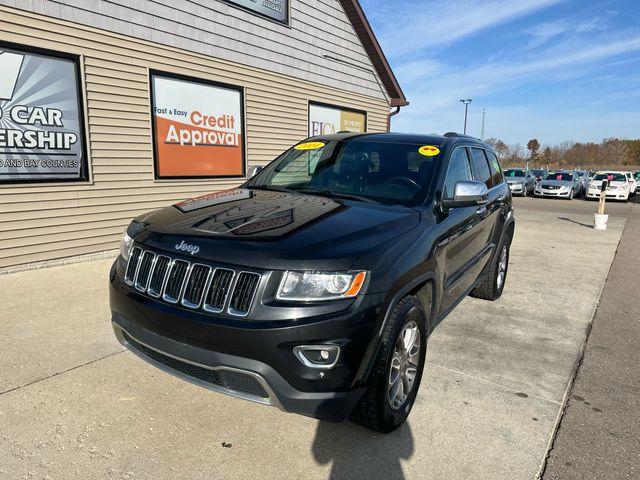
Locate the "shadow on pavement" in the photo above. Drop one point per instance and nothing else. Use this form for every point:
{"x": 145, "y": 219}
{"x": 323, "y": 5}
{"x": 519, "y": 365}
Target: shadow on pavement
{"x": 355, "y": 452}
{"x": 573, "y": 221}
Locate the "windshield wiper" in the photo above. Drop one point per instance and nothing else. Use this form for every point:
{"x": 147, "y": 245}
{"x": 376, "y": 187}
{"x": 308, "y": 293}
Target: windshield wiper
{"x": 331, "y": 193}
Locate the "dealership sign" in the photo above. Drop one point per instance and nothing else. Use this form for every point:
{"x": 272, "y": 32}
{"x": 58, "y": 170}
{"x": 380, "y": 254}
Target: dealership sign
{"x": 275, "y": 9}
{"x": 41, "y": 121}
{"x": 327, "y": 120}
{"x": 198, "y": 128}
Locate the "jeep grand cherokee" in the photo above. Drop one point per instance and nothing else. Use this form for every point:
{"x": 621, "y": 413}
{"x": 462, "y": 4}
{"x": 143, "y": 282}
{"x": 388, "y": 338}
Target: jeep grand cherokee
{"x": 314, "y": 286}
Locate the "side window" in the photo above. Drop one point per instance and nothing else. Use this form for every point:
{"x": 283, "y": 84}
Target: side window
{"x": 496, "y": 170}
{"x": 481, "y": 167}
{"x": 459, "y": 169}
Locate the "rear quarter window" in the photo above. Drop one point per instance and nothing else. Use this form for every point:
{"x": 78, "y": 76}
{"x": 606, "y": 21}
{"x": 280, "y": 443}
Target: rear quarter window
{"x": 496, "y": 170}
{"x": 481, "y": 167}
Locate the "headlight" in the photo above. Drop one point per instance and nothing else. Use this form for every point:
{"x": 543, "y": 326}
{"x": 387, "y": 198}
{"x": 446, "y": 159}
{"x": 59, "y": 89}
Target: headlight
{"x": 624, "y": 187}
{"x": 126, "y": 242}
{"x": 309, "y": 286}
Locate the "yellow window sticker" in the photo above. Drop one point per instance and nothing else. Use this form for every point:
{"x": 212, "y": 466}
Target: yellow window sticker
{"x": 309, "y": 146}
{"x": 429, "y": 150}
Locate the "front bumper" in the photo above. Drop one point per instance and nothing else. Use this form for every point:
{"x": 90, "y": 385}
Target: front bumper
{"x": 538, "y": 192}
{"x": 516, "y": 188}
{"x": 610, "y": 194}
{"x": 246, "y": 358}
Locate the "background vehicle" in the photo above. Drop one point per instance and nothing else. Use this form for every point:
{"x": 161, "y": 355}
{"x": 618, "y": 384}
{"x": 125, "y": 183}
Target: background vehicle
{"x": 538, "y": 173}
{"x": 633, "y": 184}
{"x": 521, "y": 181}
{"x": 315, "y": 285}
{"x": 618, "y": 185}
{"x": 584, "y": 181}
{"x": 559, "y": 183}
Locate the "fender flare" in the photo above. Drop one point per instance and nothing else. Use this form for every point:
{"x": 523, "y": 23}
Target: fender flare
{"x": 374, "y": 345}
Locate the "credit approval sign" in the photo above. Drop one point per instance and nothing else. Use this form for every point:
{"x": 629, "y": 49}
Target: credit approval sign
{"x": 198, "y": 128}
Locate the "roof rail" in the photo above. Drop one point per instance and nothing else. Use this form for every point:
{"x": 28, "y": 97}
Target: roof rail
{"x": 456, "y": 134}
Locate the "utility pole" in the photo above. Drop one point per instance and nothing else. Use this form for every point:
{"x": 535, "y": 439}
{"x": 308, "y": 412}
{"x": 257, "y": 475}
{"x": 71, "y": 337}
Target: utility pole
{"x": 466, "y": 107}
{"x": 484, "y": 113}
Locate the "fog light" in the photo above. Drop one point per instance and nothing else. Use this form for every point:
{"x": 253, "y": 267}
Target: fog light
{"x": 317, "y": 356}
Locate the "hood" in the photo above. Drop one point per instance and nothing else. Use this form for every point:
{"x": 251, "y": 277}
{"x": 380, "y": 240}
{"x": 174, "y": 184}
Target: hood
{"x": 274, "y": 230}
{"x": 558, "y": 183}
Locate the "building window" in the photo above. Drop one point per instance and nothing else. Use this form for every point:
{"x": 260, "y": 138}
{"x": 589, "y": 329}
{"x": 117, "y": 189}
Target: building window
{"x": 198, "y": 128}
{"x": 42, "y": 135}
{"x": 329, "y": 119}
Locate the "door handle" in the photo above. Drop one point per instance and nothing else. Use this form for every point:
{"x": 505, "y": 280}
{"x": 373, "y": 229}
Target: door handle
{"x": 481, "y": 210}
{"x": 502, "y": 198}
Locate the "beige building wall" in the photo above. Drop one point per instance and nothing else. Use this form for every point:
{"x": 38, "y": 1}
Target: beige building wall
{"x": 41, "y": 222}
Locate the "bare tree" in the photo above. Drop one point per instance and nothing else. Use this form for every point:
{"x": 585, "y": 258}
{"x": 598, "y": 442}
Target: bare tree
{"x": 533, "y": 146}
{"x": 501, "y": 148}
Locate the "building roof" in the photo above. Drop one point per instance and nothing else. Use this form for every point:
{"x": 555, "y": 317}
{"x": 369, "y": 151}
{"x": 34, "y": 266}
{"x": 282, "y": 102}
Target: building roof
{"x": 370, "y": 43}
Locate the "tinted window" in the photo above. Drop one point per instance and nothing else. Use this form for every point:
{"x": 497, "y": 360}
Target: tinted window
{"x": 496, "y": 171}
{"x": 481, "y": 167}
{"x": 459, "y": 170}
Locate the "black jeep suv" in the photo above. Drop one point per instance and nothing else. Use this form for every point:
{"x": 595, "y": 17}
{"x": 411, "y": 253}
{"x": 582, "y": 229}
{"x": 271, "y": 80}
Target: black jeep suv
{"x": 315, "y": 285}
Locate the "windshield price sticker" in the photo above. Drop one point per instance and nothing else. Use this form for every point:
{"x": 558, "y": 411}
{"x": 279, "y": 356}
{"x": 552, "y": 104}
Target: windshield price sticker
{"x": 429, "y": 150}
{"x": 309, "y": 146}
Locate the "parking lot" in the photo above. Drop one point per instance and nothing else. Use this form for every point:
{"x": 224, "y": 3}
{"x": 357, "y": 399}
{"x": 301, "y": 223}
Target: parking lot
{"x": 73, "y": 404}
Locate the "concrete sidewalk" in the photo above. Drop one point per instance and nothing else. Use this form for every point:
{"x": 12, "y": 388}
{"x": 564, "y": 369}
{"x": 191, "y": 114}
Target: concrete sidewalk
{"x": 73, "y": 405}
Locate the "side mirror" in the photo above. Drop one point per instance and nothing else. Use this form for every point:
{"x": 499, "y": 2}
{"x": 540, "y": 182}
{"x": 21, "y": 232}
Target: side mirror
{"x": 254, "y": 171}
{"x": 466, "y": 194}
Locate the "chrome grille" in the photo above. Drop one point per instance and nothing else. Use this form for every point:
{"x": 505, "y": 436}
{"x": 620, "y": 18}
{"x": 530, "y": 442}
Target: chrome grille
{"x": 218, "y": 290}
{"x": 146, "y": 264}
{"x": 192, "y": 285}
{"x": 159, "y": 273}
{"x": 175, "y": 281}
{"x": 194, "y": 288}
{"x": 243, "y": 293}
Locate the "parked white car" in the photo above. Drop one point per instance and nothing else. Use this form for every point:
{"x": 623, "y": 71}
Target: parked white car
{"x": 618, "y": 188}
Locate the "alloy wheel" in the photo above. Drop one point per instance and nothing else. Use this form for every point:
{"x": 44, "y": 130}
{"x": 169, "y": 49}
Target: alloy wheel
{"x": 502, "y": 268}
{"x": 404, "y": 365}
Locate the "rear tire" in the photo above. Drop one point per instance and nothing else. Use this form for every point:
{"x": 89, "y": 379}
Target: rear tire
{"x": 492, "y": 286}
{"x": 386, "y": 404}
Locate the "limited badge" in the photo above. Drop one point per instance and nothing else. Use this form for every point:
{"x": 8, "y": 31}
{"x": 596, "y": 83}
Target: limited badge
{"x": 309, "y": 146}
{"x": 429, "y": 150}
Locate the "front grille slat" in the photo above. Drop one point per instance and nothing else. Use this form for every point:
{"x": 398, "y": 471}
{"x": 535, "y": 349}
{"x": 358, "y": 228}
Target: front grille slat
{"x": 243, "y": 293}
{"x": 218, "y": 290}
{"x": 132, "y": 266}
{"x": 158, "y": 276}
{"x": 146, "y": 264}
{"x": 191, "y": 285}
{"x": 194, "y": 289}
{"x": 176, "y": 279}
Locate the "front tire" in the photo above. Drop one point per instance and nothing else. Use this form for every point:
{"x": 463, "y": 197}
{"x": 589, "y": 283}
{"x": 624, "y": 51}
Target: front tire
{"x": 395, "y": 377}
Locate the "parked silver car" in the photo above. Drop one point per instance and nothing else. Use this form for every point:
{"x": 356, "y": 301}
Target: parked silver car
{"x": 559, "y": 183}
{"x": 521, "y": 181}
{"x": 584, "y": 180}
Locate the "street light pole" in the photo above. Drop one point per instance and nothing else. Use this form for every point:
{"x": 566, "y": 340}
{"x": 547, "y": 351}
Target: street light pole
{"x": 466, "y": 107}
{"x": 484, "y": 113}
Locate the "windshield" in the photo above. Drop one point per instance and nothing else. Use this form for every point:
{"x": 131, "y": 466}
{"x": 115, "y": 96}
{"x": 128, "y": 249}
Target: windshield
{"x": 637, "y": 175}
{"x": 560, "y": 176}
{"x": 612, "y": 177}
{"x": 383, "y": 172}
{"x": 538, "y": 173}
{"x": 513, "y": 172}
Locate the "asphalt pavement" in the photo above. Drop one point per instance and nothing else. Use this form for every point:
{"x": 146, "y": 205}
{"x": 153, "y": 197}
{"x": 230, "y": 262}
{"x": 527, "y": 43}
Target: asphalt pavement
{"x": 73, "y": 404}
